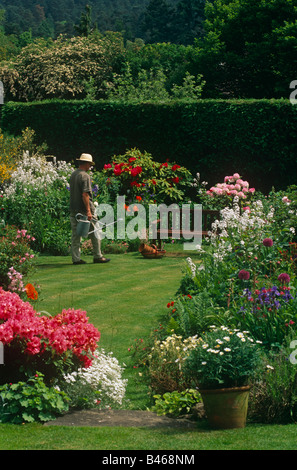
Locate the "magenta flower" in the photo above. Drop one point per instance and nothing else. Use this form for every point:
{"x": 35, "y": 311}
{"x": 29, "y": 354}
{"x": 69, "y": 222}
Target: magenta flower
{"x": 244, "y": 275}
{"x": 284, "y": 278}
{"x": 267, "y": 242}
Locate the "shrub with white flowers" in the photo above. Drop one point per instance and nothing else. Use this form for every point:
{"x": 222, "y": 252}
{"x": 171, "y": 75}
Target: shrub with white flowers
{"x": 37, "y": 198}
{"x": 224, "y": 357}
{"x": 244, "y": 229}
{"x": 165, "y": 362}
{"x": 99, "y": 385}
{"x": 35, "y": 172}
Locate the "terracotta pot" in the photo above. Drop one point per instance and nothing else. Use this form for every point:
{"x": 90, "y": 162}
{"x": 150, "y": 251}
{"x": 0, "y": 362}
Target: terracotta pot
{"x": 226, "y": 408}
{"x": 152, "y": 251}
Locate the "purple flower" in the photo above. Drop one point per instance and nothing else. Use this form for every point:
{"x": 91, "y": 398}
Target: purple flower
{"x": 245, "y": 275}
{"x": 267, "y": 242}
{"x": 284, "y": 278}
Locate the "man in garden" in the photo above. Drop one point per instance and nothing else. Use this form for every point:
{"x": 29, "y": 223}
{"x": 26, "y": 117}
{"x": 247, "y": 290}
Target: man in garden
{"x": 81, "y": 202}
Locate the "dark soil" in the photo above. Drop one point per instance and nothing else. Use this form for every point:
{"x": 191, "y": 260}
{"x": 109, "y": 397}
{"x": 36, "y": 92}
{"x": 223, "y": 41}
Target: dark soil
{"x": 127, "y": 418}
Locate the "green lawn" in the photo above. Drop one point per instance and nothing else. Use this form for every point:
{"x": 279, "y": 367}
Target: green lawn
{"x": 125, "y": 299}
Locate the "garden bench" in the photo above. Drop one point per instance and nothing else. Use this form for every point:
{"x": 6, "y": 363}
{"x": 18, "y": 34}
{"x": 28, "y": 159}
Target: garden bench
{"x": 176, "y": 230}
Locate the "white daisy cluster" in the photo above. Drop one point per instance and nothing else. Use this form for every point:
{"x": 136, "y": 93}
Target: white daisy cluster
{"x": 105, "y": 376}
{"x": 222, "y": 345}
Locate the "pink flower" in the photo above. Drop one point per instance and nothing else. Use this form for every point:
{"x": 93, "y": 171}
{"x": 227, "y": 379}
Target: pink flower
{"x": 252, "y": 190}
{"x": 286, "y": 200}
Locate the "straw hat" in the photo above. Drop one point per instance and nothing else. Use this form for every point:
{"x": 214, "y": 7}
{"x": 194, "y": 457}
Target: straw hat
{"x": 86, "y": 158}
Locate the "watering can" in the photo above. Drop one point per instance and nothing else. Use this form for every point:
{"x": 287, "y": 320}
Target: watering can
{"x": 83, "y": 226}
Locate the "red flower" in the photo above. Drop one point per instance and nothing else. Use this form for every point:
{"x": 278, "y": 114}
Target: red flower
{"x": 154, "y": 181}
{"x": 131, "y": 159}
{"x": 175, "y": 180}
{"x": 136, "y": 171}
{"x": 139, "y": 198}
{"x": 117, "y": 170}
{"x": 106, "y": 166}
{"x": 175, "y": 167}
{"x": 31, "y": 292}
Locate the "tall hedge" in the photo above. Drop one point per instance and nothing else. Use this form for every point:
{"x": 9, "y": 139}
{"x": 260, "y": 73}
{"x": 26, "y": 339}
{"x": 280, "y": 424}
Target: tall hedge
{"x": 256, "y": 138}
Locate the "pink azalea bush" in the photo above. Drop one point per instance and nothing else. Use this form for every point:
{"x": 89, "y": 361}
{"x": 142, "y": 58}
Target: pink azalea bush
{"x": 51, "y": 345}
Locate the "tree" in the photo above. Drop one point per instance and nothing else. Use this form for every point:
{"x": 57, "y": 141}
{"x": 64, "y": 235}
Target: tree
{"x": 62, "y": 68}
{"x": 158, "y": 21}
{"x": 85, "y": 27}
{"x": 247, "y": 45}
{"x": 189, "y": 19}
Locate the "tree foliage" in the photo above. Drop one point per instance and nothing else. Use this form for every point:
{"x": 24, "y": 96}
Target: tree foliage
{"x": 250, "y": 46}
{"x": 62, "y": 68}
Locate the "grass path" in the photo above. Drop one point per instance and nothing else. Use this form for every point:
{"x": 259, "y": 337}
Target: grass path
{"x": 124, "y": 299}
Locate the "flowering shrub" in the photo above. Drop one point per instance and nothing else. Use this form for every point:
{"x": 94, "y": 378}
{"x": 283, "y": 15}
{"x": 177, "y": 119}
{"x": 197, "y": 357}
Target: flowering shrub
{"x": 242, "y": 232}
{"x": 64, "y": 68}
{"x": 165, "y": 359}
{"x": 144, "y": 180}
{"x": 222, "y": 194}
{"x": 223, "y": 358}
{"x": 17, "y": 258}
{"x": 268, "y": 313}
{"x": 45, "y": 208}
{"x": 285, "y": 210}
{"x": 102, "y": 382}
{"x": 48, "y": 344}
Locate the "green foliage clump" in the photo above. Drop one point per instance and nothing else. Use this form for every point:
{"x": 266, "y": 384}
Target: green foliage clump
{"x": 176, "y": 403}
{"x": 31, "y": 401}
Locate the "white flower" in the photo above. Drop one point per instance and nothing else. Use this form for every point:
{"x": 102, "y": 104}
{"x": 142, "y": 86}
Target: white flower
{"x": 227, "y": 349}
{"x": 104, "y": 375}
